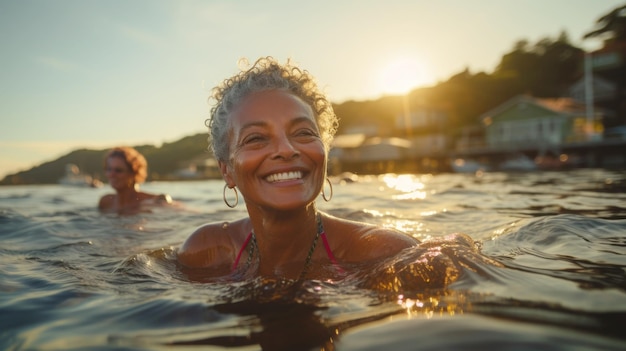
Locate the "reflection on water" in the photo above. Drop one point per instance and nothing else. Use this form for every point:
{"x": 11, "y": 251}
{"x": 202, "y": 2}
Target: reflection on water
{"x": 508, "y": 261}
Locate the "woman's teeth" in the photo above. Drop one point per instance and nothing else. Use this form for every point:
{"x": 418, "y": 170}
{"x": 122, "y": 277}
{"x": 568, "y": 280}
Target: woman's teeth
{"x": 278, "y": 177}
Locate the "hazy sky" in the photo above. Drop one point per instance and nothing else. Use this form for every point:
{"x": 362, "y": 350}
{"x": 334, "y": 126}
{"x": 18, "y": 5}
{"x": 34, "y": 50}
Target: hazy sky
{"x": 94, "y": 74}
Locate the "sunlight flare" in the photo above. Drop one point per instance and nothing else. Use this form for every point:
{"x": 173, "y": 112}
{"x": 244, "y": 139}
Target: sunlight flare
{"x": 402, "y": 74}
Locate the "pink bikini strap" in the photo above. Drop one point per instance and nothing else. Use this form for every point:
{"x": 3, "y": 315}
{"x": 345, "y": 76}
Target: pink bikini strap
{"x": 329, "y": 252}
{"x": 243, "y": 247}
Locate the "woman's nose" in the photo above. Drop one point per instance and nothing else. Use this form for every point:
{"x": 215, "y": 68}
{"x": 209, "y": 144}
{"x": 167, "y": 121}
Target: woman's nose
{"x": 285, "y": 148}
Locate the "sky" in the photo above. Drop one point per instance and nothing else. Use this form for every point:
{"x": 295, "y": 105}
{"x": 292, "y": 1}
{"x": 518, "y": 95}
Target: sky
{"x": 96, "y": 74}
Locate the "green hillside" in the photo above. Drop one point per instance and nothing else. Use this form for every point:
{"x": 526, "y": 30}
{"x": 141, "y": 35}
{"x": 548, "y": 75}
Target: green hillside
{"x": 163, "y": 162}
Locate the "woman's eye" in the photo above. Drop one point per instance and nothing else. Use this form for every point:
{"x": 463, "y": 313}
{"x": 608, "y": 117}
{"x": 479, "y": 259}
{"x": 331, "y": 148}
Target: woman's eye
{"x": 306, "y": 132}
{"x": 252, "y": 139}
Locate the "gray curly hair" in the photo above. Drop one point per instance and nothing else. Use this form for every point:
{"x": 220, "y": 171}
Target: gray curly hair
{"x": 267, "y": 74}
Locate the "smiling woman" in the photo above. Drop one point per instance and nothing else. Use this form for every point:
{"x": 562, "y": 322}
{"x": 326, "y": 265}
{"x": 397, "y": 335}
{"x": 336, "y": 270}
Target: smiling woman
{"x": 125, "y": 169}
{"x": 271, "y": 129}
{"x": 402, "y": 74}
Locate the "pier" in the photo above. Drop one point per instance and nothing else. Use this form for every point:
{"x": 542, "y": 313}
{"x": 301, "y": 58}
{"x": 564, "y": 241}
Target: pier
{"x": 610, "y": 153}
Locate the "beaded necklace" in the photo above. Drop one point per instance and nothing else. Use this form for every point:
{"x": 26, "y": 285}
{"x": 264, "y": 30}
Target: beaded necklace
{"x": 307, "y": 263}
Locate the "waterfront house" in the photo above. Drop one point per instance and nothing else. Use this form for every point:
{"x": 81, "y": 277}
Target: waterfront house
{"x": 200, "y": 167}
{"x": 361, "y": 154}
{"x": 544, "y": 124}
{"x": 603, "y": 90}
{"x": 427, "y": 129}
{"x": 608, "y": 65}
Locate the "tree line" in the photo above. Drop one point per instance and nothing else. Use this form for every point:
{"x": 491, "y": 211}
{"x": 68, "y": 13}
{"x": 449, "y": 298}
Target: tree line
{"x": 546, "y": 68}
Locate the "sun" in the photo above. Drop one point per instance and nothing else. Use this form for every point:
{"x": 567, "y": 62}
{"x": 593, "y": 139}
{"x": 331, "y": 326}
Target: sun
{"x": 402, "y": 74}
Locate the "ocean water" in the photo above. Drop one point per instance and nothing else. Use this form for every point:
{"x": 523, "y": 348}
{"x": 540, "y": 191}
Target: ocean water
{"x": 542, "y": 266}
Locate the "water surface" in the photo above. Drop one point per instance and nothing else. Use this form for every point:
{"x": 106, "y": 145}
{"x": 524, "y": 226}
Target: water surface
{"x": 543, "y": 266}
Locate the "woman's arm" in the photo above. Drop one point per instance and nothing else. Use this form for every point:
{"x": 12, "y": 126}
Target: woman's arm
{"x": 377, "y": 243}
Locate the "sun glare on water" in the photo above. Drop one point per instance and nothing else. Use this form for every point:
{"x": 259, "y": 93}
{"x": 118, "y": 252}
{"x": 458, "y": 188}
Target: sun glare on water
{"x": 402, "y": 74}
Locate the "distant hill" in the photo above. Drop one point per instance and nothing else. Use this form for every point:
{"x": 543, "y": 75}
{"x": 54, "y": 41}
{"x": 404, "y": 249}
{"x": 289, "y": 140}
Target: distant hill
{"x": 546, "y": 69}
{"x": 163, "y": 162}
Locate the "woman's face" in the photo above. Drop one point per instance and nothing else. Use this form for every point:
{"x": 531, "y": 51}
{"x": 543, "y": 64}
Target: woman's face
{"x": 118, "y": 173}
{"x": 277, "y": 158}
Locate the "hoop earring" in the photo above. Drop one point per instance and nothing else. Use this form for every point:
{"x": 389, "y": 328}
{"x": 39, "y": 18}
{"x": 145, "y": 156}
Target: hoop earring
{"x": 236, "y": 196}
{"x": 331, "y": 191}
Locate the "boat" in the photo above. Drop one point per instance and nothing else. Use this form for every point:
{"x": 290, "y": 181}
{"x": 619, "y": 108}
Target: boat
{"x": 462, "y": 165}
{"x": 518, "y": 162}
{"x": 73, "y": 177}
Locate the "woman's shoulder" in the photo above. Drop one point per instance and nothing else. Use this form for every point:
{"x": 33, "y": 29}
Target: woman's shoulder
{"x": 363, "y": 229}
{"x": 106, "y": 201}
{"x": 211, "y": 243}
{"x": 358, "y": 241}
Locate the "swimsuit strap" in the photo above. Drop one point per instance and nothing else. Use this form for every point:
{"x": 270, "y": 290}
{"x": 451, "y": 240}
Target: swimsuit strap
{"x": 320, "y": 233}
{"x": 243, "y": 247}
{"x": 329, "y": 252}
